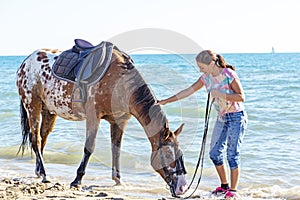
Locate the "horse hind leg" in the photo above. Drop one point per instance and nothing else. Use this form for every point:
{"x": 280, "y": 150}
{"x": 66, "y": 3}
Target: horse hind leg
{"x": 48, "y": 122}
{"x": 47, "y": 125}
{"x": 34, "y": 111}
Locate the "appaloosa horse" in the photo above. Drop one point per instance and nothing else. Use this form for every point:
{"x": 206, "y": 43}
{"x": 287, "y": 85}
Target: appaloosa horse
{"x": 120, "y": 94}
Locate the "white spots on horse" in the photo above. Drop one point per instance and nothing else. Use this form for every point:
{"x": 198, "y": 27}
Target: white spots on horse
{"x": 35, "y": 77}
{"x": 91, "y": 94}
{"x": 57, "y": 98}
{"x": 99, "y": 93}
{"x": 27, "y": 78}
{"x": 104, "y": 98}
{"x": 52, "y": 88}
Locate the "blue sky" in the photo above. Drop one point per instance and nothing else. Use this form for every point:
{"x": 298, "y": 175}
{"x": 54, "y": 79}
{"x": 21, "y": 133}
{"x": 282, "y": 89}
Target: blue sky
{"x": 225, "y": 26}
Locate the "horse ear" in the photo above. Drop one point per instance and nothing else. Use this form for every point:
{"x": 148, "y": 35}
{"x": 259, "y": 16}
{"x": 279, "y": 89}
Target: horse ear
{"x": 178, "y": 131}
{"x": 166, "y": 125}
{"x": 166, "y": 135}
{"x": 167, "y": 132}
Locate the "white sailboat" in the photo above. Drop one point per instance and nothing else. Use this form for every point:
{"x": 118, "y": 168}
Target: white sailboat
{"x": 273, "y": 50}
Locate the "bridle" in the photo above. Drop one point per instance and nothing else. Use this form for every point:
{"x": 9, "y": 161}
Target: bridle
{"x": 171, "y": 174}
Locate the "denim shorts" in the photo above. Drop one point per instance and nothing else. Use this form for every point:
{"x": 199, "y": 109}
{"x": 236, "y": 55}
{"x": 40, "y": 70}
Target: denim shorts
{"x": 228, "y": 135}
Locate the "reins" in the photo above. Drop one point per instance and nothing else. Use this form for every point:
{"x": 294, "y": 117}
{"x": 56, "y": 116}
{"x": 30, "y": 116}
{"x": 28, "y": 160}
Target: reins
{"x": 202, "y": 150}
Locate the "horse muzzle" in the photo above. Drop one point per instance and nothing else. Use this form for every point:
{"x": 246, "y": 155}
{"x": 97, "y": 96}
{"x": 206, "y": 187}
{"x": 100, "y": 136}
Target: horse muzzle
{"x": 178, "y": 184}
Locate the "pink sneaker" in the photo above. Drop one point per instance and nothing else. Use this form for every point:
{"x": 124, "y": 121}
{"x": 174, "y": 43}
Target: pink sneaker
{"x": 230, "y": 194}
{"x": 219, "y": 190}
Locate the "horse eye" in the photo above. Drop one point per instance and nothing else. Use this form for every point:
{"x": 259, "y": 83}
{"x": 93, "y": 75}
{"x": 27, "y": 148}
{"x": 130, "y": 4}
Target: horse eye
{"x": 124, "y": 66}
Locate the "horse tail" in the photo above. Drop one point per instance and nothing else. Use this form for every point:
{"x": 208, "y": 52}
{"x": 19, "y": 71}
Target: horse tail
{"x": 25, "y": 129}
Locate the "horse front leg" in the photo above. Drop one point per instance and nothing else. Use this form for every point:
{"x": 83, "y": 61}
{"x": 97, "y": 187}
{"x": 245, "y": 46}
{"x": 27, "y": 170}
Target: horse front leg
{"x": 81, "y": 169}
{"x": 92, "y": 124}
{"x": 117, "y": 130}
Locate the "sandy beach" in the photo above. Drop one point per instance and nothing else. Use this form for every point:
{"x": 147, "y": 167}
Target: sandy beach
{"x": 32, "y": 188}
{"x": 27, "y": 188}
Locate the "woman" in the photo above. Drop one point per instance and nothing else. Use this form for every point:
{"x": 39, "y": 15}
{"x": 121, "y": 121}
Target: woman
{"x": 224, "y": 86}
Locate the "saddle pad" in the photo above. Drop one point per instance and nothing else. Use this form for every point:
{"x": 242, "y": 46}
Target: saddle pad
{"x": 95, "y": 64}
{"x": 65, "y": 64}
{"x": 86, "y": 65}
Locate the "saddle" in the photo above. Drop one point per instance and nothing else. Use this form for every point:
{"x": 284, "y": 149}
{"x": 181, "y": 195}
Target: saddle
{"x": 83, "y": 64}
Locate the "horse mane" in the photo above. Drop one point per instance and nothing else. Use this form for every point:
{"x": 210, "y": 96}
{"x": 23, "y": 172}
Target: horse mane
{"x": 142, "y": 101}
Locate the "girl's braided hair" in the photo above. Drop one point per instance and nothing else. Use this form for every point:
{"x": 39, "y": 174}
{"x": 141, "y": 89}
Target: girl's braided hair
{"x": 207, "y": 56}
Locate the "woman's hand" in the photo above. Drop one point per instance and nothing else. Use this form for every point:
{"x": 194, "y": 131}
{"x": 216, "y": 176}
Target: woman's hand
{"x": 217, "y": 94}
{"x": 161, "y": 102}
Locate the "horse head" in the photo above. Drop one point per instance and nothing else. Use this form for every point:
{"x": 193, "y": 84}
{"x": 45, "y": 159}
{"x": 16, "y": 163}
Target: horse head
{"x": 167, "y": 160}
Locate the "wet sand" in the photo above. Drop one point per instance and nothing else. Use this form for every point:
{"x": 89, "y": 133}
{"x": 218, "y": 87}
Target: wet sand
{"x": 31, "y": 188}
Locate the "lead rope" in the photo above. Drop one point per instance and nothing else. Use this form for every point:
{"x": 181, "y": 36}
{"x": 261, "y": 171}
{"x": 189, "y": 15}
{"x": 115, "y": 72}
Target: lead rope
{"x": 202, "y": 150}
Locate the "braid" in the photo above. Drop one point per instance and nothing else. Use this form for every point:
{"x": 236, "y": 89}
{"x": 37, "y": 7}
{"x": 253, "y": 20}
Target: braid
{"x": 207, "y": 56}
{"x": 221, "y": 62}
{"x": 230, "y": 66}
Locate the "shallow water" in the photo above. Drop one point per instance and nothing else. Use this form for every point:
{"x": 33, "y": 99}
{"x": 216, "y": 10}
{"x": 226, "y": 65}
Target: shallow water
{"x": 270, "y": 156}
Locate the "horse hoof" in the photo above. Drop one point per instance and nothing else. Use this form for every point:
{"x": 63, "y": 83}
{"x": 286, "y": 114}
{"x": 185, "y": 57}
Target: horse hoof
{"x": 75, "y": 185}
{"x": 118, "y": 181}
{"x": 45, "y": 180}
{"x": 38, "y": 174}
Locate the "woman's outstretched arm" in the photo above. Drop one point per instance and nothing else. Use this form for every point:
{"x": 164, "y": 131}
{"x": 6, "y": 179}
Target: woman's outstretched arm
{"x": 184, "y": 93}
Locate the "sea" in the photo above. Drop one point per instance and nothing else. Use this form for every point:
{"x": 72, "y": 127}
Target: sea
{"x": 270, "y": 157}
